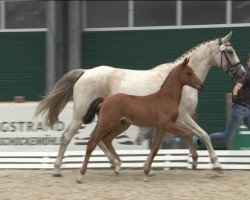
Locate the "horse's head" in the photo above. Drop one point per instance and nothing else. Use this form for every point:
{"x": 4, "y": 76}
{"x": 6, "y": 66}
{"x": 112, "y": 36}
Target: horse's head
{"x": 188, "y": 77}
{"x": 228, "y": 59}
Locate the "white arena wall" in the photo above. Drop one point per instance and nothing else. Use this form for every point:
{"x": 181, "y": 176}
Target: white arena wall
{"x": 27, "y": 143}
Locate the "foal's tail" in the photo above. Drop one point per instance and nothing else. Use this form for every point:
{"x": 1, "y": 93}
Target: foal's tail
{"x": 55, "y": 101}
{"x": 92, "y": 110}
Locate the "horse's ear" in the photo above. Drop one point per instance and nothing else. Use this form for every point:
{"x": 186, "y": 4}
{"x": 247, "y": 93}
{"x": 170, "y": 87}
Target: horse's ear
{"x": 185, "y": 62}
{"x": 227, "y": 37}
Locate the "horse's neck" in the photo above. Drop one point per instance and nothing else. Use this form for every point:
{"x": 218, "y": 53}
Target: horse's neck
{"x": 201, "y": 60}
{"x": 172, "y": 87}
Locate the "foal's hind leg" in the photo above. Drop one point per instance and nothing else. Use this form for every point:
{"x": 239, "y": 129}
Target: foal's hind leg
{"x": 158, "y": 136}
{"x": 107, "y": 140}
{"x": 65, "y": 140}
{"x": 95, "y": 138}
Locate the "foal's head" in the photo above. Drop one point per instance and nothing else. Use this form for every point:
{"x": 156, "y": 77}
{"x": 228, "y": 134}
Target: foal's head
{"x": 188, "y": 77}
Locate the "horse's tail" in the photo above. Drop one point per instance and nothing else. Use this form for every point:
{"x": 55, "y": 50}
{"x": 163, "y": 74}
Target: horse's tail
{"x": 55, "y": 101}
{"x": 92, "y": 110}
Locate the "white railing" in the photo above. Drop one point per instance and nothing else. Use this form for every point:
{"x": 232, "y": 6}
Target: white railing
{"x": 167, "y": 159}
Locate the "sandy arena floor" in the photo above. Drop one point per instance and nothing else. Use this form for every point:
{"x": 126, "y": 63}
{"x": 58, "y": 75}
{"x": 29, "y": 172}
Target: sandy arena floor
{"x": 129, "y": 185}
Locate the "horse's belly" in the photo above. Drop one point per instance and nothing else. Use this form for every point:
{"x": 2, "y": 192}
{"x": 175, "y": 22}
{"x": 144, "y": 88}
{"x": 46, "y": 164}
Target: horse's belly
{"x": 140, "y": 88}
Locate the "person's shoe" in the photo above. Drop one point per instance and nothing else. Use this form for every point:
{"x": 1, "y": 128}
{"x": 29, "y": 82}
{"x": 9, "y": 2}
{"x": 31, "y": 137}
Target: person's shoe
{"x": 197, "y": 141}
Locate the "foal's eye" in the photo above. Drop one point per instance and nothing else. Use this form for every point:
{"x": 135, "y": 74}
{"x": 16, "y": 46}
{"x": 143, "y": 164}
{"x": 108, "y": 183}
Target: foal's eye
{"x": 189, "y": 73}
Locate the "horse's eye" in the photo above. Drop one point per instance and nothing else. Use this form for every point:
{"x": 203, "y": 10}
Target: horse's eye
{"x": 189, "y": 73}
{"x": 230, "y": 51}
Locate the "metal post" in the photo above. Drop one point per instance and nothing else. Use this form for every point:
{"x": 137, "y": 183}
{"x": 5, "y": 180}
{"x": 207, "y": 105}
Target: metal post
{"x": 228, "y": 12}
{"x": 61, "y": 38}
{"x": 2, "y": 17}
{"x": 74, "y": 34}
{"x": 178, "y": 13}
{"x": 50, "y": 45}
{"x": 130, "y": 13}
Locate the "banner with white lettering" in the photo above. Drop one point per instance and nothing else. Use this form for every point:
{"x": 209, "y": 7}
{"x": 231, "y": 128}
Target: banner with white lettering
{"x": 20, "y": 131}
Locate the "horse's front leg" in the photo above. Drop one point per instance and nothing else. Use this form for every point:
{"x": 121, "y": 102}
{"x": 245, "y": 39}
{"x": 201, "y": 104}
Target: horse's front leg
{"x": 158, "y": 136}
{"x": 190, "y": 124}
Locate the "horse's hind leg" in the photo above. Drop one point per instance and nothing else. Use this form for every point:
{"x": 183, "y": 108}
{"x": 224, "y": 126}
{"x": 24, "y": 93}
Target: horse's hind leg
{"x": 158, "y": 136}
{"x": 65, "y": 140}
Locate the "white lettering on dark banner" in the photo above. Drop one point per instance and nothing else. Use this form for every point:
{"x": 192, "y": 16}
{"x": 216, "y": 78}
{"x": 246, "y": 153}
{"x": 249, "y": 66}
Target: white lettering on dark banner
{"x": 30, "y": 141}
{"x": 29, "y": 126}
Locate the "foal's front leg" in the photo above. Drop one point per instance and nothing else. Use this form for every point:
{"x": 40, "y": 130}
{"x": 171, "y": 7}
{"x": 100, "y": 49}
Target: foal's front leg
{"x": 158, "y": 136}
{"x": 174, "y": 128}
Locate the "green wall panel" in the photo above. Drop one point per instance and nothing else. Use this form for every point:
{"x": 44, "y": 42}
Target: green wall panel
{"x": 145, "y": 49}
{"x": 22, "y": 65}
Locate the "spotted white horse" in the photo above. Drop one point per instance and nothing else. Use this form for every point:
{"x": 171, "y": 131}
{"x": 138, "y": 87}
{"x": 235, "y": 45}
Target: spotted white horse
{"x": 86, "y": 85}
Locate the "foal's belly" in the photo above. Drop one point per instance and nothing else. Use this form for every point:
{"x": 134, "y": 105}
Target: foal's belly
{"x": 140, "y": 123}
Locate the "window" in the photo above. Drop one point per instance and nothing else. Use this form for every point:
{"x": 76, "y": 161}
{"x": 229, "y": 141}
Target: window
{"x": 240, "y": 11}
{"x": 154, "y": 13}
{"x": 203, "y": 12}
{"x": 25, "y": 14}
{"x": 107, "y": 14}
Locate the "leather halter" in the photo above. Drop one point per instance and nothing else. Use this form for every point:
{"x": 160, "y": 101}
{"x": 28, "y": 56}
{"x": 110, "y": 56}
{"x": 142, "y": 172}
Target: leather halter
{"x": 232, "y": 69}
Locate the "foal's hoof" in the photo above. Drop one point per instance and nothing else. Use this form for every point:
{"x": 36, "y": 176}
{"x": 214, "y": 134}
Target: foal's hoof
{"x": 117, "y": 170}
{"x": 116, "y": 167}
{"x": 79, "y": 180}
{"x": 57, "y": 175}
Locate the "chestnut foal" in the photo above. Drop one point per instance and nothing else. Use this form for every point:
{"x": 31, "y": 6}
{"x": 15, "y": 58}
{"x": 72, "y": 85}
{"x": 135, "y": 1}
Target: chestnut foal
{"x": 159, "y": 110}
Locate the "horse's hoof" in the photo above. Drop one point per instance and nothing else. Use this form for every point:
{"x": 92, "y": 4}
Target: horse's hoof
{"x": 117, "y": 170}
{"x": 194, "y": 167}
{"x": 146, "y": 179}
{"x": 57, "y": 173}
{"x": 218, "y": 169}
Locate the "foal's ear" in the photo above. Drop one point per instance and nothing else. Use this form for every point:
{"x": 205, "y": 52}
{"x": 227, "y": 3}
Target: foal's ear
{"x": 185, "y": 62}
{"x": 227, "y": 37}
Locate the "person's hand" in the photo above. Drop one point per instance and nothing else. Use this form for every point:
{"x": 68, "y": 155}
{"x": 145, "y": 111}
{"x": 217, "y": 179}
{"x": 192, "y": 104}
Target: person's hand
{"x": 234, "y": 98}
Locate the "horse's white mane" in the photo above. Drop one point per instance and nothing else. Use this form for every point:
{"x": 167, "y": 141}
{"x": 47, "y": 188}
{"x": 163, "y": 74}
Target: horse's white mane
{"x": 191, "y": 50}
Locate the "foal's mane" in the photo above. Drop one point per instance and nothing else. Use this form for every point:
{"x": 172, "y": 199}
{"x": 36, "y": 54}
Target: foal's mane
{"x": 172, "y": 71}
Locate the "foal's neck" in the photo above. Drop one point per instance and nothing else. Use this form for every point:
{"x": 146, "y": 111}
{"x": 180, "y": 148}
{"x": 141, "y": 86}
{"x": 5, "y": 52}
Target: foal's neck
{"x": 172, "y": 87}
